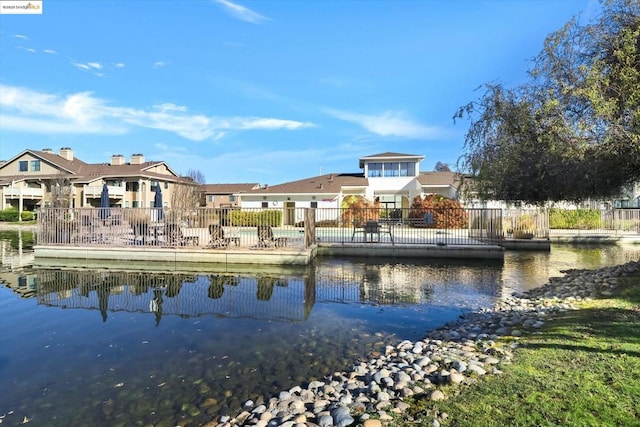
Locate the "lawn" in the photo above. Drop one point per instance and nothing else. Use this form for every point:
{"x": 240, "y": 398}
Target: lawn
{"x": 581, "y": 369}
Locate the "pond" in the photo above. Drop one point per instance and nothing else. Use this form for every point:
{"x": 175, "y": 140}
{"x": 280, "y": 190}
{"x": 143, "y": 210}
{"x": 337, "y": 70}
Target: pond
{"x": 109, "y": 348}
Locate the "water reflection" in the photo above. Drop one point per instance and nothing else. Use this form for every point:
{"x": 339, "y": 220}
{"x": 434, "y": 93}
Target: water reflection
{"x": 287, "y": 298}
{"x": 108, "y": 347}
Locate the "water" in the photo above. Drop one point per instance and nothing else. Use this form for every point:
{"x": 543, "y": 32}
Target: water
{"x": 109, "y": 348}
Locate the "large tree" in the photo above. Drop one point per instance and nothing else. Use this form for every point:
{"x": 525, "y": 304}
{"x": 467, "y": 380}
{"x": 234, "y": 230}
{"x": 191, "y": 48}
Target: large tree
{"x": 573, "y": 130}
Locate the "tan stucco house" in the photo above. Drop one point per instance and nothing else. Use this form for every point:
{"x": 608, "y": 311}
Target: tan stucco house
{"x": 30, "y": 180}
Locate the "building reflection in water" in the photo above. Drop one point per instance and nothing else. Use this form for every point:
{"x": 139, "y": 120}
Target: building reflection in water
{"x": 280, "y": 297}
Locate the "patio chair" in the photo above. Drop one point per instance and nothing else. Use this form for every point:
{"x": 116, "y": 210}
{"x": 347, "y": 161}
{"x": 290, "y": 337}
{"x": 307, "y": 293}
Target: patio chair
{"x": 218, "y": 239}
{"x": 266, "y": 239}
{"x": 174, "y": 236}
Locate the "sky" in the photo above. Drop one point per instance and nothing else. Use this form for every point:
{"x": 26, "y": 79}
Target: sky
{"x": 261, "y": 90}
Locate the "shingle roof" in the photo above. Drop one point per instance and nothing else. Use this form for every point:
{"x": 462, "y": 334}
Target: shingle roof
{"x": 389, "y": 154}
{"x": 82, "y": 172}
{"x": 330, "y": 183}
{"x": 439, "y": 178}
{"x": 229, "y": 188}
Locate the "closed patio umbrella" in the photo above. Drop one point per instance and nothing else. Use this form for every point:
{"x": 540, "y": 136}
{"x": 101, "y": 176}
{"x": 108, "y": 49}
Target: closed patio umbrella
{"x": 157, "y": 202}
{"x": 104, "y": 210}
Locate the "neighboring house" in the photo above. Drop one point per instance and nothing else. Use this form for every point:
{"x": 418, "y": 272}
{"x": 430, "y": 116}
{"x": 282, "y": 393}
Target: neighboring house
{"x": 226, "y": 195}
{"x": 393, "y": 179}
{"x": 34, "y": 179}
{"x": 629, "y": 197}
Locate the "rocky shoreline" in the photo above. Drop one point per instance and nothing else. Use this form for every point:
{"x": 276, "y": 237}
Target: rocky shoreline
{"x": 372, "y": 393}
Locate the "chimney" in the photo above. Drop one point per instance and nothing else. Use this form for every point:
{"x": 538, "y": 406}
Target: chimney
{"x": 137, "y": 159}
{"x": 47, "y": 150}
{"x": 117, "y": 160}
{"x": 66, "y": 153}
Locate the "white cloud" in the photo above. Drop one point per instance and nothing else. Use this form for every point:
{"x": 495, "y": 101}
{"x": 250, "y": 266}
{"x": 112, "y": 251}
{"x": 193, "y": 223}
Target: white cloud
{"x": 29, "y": 111}
{"x": 270, "y": 123}
{"x": 159, "y": 64}
{"x": 50, "y": 51}
{"x": 389, "y": 124}
{"x": 95, "y": 65}
{"x": 242, "y": 13}
{"x": 20, "y": 36}
{"x": 120, "y": 65}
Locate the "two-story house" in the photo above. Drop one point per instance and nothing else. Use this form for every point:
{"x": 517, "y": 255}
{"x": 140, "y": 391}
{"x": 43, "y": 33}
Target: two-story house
{"x": 40, "y": 178}
{"x": 393, "y": 179}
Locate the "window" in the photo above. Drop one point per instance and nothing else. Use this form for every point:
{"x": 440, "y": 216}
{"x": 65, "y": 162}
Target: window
{"x": 132, "y": 186}
{"x": 35, "y": 165}
{"x": 166, "y": 185}
{"x": 265, "y": 204}
{"x": 153, "y": 185}
{"x": 314, "y": 205}
{"x": 232, "y": 198}
{"x": 407, "y": 169}
{"x": 375, "y": 169}
{"x": 391, "y": 169}
{"x": 211, "y": 198}
{"x": 136, "y": 204}
{"x": 23, "y": 166}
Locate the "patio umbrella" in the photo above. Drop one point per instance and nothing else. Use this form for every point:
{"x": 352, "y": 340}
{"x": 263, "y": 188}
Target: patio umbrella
{"x": 157, "y": 202}
{"x": 104, "y": 211}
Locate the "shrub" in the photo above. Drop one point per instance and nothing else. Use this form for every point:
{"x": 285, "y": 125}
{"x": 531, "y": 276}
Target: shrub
{"x": 357, "y": 209}
{"x": 27, "y": 216}
{"x": 574, "y": 219}
{"x": 441, "y": 211}
{"x": 9, "y": 215}
{"x": 272, "y": 218}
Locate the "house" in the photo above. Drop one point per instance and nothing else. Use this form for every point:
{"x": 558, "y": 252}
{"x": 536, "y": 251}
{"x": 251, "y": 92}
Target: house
{"x": 34, "y": 179}
{"x": 393, "y": 179}
{"x": 226, "y": 195}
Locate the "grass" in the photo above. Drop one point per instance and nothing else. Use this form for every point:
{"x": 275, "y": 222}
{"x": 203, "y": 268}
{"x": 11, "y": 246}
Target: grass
{"x": 582, "y": 369}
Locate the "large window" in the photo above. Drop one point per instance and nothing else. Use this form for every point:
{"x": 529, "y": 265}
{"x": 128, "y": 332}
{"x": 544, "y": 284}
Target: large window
{"x": 407, "y": 169}
{"x": 375, "y": 169}
{"x": 35, "y": 165}
{"x": 23, "y": 166}
{"x": 391, "y": 169}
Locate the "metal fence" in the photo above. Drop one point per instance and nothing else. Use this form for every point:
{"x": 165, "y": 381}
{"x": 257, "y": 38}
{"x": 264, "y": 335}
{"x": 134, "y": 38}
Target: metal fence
{"x": 179, "y": 228}
{"x": 302, "y": 227}
{"x": 409, "y": 226}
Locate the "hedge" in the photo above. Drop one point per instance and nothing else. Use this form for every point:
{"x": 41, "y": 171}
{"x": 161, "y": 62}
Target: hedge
{"x": 575, "y": 219}
{"x": 272, "y": 218}
{"x": 9, "y": 215}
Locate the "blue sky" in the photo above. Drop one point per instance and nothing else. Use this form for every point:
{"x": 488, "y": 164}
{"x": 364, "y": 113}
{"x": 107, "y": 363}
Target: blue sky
{"x": 261, "y": 91}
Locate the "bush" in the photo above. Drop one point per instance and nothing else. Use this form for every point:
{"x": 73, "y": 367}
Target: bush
{"x": 272, "y": 218}
{"x": 9, "y": 215}
{"x": 575, "y": 219}
{"x": 27, "y": 216}
{"x": 437, "y": 211}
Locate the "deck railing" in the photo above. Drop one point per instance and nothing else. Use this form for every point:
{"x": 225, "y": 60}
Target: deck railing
{"x": 288, "y": 227}
{"x": 201, "y": 227}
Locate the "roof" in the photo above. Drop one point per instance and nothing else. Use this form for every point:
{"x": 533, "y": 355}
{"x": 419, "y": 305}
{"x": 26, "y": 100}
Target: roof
{"x": 330, "y": 183}
{"x": 81, "y": 172}
{"x": 229, "y": 188}
{"x": 439, "y": 178}
{"x": 388, "y": 156}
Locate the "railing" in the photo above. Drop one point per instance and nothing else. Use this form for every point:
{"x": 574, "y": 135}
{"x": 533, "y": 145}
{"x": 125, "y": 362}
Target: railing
{"x": 13, "y": 192}
{"x": 526, "y": 223}
{"x": 409, "y": 226}
{"x": 95, "y": 191}
{"x": 277, "y": 228}
{"x": 584, "y": 222}
{"x": 181, "y": 228}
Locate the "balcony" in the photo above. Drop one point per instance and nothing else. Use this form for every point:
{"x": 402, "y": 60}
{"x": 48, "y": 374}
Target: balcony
{"x": 23, "y": 192}
{"x": 95, "y": 191}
